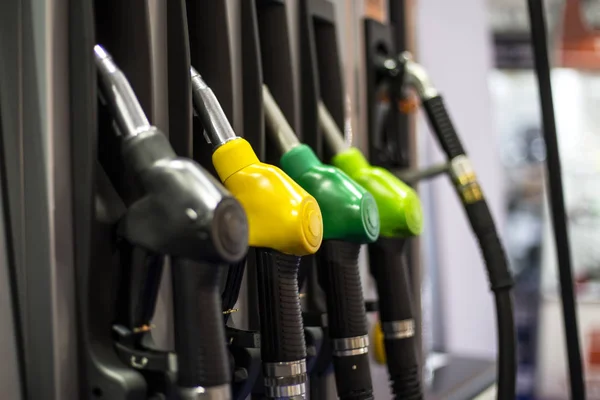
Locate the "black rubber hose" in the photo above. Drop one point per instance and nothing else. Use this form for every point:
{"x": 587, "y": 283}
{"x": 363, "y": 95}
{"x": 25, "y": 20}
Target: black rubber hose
{"x": 281, "y": 328}
{"x": 483, "y": 227}
{"x": 556, "y": 198}
{"x": 200, "y": 341}
{"x": 506, "y": 340}
{"x": 389, "y": 269}
{"x": 339, "y": 277}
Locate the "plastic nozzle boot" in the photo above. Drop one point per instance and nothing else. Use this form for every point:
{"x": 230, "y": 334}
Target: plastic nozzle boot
{"x": 281, "y": 215}
{"x": 399, "y": 206}
{"x": 349, "y": 211}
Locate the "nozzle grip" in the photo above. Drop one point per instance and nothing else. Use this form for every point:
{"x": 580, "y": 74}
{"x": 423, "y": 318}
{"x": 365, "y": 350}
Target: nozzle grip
{"x": 395, "y": 310}
{"x": 353, "y": 377}
{"x": 443, "y": 127}
{"x": 339, "y": 277}
{"x": 281, "y": 328}
{"x": 200, "y": 340}
{"x": 388, "y": 267}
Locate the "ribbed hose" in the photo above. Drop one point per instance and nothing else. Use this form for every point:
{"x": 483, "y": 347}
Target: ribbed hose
{"x": 339, "y": 277}
{"x": 200, "y": 341}
{"x": 397, "y": 316}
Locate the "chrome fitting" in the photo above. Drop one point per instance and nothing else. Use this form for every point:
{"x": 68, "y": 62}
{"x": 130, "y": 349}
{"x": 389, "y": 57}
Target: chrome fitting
{"x": 463, "y": 176}
{"x": 285, "y": 380}
{"x": 398, "y": 329}
{"x": 353, "y": 346}
{"x": 221, "y": 392}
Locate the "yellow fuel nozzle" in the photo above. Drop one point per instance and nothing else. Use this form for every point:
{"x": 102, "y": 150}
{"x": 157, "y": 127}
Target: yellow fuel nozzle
{"x": 281, "y": 215}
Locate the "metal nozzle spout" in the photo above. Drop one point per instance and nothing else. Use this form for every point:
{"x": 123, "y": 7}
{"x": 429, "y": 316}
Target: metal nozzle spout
{"x": 332, "y": 133}
{"x": 215, "y": 122}
{"x": 277, "y": 125}
{"x": 416, "y": 76}
{"x": 119, "y": 95}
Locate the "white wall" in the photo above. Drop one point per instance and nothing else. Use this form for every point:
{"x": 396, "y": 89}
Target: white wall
{"x": 454, "y": 45}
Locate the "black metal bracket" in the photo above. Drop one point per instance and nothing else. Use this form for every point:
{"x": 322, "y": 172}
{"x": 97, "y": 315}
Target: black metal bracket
{"x": 321, "y": 69}
{"x": 276, "y": 59}
{"x": 387, "y": 128}
{"x": 210, "y": 55}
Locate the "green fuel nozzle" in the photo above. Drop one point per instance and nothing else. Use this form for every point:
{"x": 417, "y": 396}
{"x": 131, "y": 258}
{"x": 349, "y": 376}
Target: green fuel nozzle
{"x": 399, "y": 205}
{"x": 350, "y": 218}
{"x": 401, "y": 217}
{"x": 349, "y": 211}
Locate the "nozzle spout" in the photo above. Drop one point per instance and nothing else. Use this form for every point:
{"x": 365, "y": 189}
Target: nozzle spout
{"x": 216, "y": 125}
{"x": 416, "y": 76}
{"x": 277, "y": 125}
{"x": 119, "y": 95}
{"x": 332, "y": 133}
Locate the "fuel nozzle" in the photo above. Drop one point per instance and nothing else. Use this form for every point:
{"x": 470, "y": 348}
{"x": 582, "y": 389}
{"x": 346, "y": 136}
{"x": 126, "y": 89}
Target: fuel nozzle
{"x": 187, "y": 215}
{"x": 285, "y": 223}
{"x": 399, "y": 205}
{"x": 294, "y": 226}
{"x": 401, "y": 217}
{"x": 350, "y": 218}
{"x": 349, "y": 211}
{"x": 409, "y": 74}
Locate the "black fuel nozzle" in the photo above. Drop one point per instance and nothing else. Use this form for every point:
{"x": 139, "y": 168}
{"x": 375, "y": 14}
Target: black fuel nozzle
{"x": 465, "y": 181}
{"x": 188, "y": 215}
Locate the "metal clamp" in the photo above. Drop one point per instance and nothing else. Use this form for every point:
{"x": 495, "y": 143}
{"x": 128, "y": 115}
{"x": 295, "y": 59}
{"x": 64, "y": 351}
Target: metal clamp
{"x": 285, "y": 379}
{"x": 463, "y": 176}
{"x": 345, "y": 347}
{"x": 221, "y": 392}
{"x": 293, "y": 392}
{"x": 398, "y": 329}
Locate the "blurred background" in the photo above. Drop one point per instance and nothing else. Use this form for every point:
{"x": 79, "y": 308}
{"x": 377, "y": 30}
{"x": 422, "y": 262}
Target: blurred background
{"x": 479, "y": 56}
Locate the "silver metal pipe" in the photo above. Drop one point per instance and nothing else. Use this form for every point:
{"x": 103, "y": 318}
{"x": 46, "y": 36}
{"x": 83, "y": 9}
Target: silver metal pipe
{"x": 332, "y": 133}
{"x": 416, "y": 76}
{"x": 277, "y": 125}
{"x": 119, "y": 96}
{"x": 411, "y": 176}
{"x": 216, "y": 125}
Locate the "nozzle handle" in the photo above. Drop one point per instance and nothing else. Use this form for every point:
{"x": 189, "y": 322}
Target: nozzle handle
{"x": 200, "y": 340}
{"x": 339, "y": 277}
{"x": 281, "y": 328}
{"x": 397, "y": 316}
{"x": 282, "y": 343}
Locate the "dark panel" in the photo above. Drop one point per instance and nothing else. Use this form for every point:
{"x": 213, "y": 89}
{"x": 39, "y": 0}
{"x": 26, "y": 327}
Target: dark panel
{"x": 180, "y": 90}
{"x": 309, "y": 79}
{"x": 388, "y": 143}
{"x": 275, "y": 46}
{"x": 97, "y": 271}
{"x": 208, "y": 29}
{"x": 328, "y": 61}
